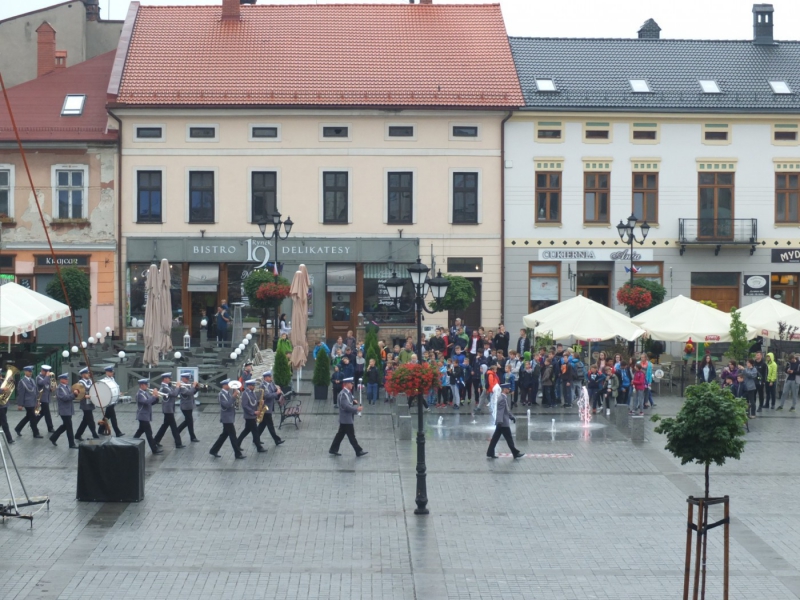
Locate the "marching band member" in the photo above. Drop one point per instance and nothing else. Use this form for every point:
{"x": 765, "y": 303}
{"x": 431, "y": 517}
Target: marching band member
{"x": 271, "y": 393}
{"x": 502, "y": 419}
{"x": 227, "y": 416}
{"x": 86, "y": 406}
{"x": 249, "y": 407}
{"x": 26, "y": 397}
{"x": 247, "y": 372}
{"x": 43, "y": 384}
{"x": 145, "y": 399}
{"x": 4, "y": 418}
{"x": 110, "y": 410}
{"x": 66, "y": 408}
{"x": 186, "y": 392}
{"x": 347, "y": 409}
{"x": 169, "y": 394}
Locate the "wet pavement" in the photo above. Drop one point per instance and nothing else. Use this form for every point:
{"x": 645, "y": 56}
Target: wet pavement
{"x": 586, "y": 514}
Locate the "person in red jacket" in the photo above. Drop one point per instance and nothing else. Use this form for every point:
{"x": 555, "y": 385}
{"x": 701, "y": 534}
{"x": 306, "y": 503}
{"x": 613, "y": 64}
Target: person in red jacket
{"x": 639, "y": 387}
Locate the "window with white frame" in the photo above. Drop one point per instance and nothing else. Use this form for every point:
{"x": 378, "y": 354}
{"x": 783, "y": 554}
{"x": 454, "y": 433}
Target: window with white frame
{"x": 70, "y": 191}
{"x": 6, "y": 191}
{"x": 465, "y": 194}
{"x": 201, "y": 197}
{"x": 149, "y": 200}
{"x": 400, "y": 197}
{"x": 263, "y": 195}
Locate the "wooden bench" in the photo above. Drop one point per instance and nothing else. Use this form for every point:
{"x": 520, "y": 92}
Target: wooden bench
{"x": 290, "y": 408}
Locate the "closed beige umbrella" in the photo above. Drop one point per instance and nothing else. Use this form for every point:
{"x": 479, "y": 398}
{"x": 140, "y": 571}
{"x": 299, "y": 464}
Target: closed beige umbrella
{"x": 151, "y": 324}
{"x": 299, "y": 294}
{"x": 164, "y": 308}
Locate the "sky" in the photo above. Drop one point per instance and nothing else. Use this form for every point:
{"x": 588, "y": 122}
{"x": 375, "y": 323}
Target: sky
{"x": 682, "y": 19}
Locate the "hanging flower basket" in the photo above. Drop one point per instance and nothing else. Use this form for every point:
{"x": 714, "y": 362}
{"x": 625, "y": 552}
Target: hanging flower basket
{"x": 272, "y": 293}
{"x": 412, "y": 380}
{"x": 634, "y": 298}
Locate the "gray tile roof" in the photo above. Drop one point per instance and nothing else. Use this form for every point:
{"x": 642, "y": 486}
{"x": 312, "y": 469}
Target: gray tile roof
{"x": 593, "y": 74}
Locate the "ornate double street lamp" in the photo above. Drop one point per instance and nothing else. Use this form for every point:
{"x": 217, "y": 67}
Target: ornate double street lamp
{"x": 438, "y": 288}
{"x": 276, "y": 235}
{"x": 627, "y": 234}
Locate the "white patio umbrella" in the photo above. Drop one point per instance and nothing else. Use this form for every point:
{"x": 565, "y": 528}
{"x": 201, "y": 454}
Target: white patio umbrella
{"x": 23, "y": 310}
{"x": 583, "y": 319}
{"x": 151, "y": 320}
{"x": 765, "y": 315}
{"x": 681, "y": 318}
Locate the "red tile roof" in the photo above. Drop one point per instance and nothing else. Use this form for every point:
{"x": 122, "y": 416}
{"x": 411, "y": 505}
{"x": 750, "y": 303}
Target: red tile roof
{"x": 37, "y": 104}
{"x": 332, "y": 55}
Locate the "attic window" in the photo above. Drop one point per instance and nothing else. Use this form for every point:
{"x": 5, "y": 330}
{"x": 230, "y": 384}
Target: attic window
{"x": 780, "y": 87}
{"x": 709, "y": 86}
{"x": 545, "y": 85}
{"x": 639, "y": 86}
{"x": 73, "y": 105}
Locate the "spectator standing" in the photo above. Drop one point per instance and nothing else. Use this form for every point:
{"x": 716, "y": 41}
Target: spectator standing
{"x": 772, "y": 380}
{"x": 523, "y": 343}
{"x": 501, "y": 340}
{"x": 761, "y": 381}
{"x": 790, "y": 387}
{"x": 750, "y": 377}
{"x": 706, "y": 372}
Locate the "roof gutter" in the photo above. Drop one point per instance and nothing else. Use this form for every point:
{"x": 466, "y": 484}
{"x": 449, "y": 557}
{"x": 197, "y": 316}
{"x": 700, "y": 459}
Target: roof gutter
{"x": 503, "y": 215}
{"x": 120, "y": 282}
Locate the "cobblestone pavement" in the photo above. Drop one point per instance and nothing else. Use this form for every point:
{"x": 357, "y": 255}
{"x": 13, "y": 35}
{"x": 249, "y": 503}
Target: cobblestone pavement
{"x": 296, "y": 523}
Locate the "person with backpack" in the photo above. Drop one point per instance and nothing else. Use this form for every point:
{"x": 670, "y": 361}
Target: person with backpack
{"x": 593, "y": 386}
{"x": 579, "y": 373}
{"x": 568, "y": 379}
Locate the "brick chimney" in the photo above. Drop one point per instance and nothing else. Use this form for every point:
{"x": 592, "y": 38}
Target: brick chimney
{"x": 46, "y": 49}
{"x": 230, "y": 10}
{"x": 92, "y": 10}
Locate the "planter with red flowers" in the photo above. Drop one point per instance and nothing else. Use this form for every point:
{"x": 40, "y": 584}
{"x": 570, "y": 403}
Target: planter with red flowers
{"x": 635, "y": 299}
{"x": 412, "y": 380}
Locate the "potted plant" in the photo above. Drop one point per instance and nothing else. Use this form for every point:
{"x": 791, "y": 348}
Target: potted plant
{"x": 709, "y": 428}
{"x": 281, "y": 371}
{"x": 412, "y": 380}
{"x": 322, "y": 375}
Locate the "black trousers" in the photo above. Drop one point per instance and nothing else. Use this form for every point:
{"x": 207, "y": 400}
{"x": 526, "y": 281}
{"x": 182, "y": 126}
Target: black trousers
{"x": 760, "y": 392}
{"x": 169, "y": 422}
{"x": 476, "y": 388}
{"x": 111, "y": 415}
{"x": 350, "y": 432}
{"x": 250, "y": 426}
{"x": 29, "y": 419}
{"x": 4, "y": 422}
{"x": 66, "y": 425}
{"x": 44, "y": 412}
{"x": 267, "y": 423}
{"x": 751, "y": 402}
{"x": 770, "y": 401}
{"x": 188, "y": 423}
{"x": 548, "y": 399}
{"x": 506, "y": 433}
{"x": 228, "y": 432}
{"x": 146, "y": 430}
{"x": 87, "y": 421}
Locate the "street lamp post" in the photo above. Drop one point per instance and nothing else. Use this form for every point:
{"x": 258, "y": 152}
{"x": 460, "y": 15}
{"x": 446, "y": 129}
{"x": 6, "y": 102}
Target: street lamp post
{"x": 276, "y": 235}
{"x": 422, "y": 285}
{"x": 627, "y": 234}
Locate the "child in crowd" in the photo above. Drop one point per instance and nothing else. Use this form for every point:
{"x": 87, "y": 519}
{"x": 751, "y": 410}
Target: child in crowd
{"x": 639, "y": 388}
{"x": 336, "y": 380}
{"x": 594, "y": 385}
{"x": 391, "y": 365}
{"x": 510, "y": 379}
{"x": 373, "y": 379}
{"x": 625, "y": 381}
{"x": 611, "y": 388}
{"x": 548, "y": 399}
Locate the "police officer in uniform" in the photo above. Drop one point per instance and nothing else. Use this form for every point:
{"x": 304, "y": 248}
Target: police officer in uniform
{"x": 347, "y": 410}
{"x": 249, "y": 407}
{"x": 186, "y": 393}
{"x": 145, "y": 399}
{"x": 271, "y": 394}
{"x": 502, "y": 421}
{"x": 110, "y": 410}
{"x": 65, "y": 398}
{"x": 26, "y": 397}
{"x": 168, "y": 395}
{"x": 227, "y": 416}
{"x": 4, "y": 420}
{"x": 86, "y": 406}
{"x": 43, "y": 384}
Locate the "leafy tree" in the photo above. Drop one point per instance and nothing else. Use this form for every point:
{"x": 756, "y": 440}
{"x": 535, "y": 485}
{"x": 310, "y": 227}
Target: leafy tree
{"x": 78, "y": 288}
{"x": 371, "y": 349}
{"x": 739, "y": 347}
{"x": 460, "y": 294}
{"x": 709, "y": 428}
{"x": 281, "y": 371}
{"x": 322, "y": 369}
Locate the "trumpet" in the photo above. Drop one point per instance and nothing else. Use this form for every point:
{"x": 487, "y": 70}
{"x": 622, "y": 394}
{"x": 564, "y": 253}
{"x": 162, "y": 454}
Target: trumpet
{"x": 156, "y": 392}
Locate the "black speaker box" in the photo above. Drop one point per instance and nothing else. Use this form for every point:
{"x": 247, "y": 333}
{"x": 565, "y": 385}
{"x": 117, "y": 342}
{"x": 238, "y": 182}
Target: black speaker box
{"x": 111, "y": 470}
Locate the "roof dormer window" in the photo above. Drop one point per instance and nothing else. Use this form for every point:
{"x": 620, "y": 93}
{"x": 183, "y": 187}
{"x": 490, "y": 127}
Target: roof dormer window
{"x": 545, "y": 85}
{"x": 709, "y": 86}
{"x": 780, "y": 87}
{"x": 639, "y": 86}
{"x": 73, "y": 105}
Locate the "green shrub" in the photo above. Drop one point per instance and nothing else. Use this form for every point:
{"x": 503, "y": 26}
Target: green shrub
{"x": 78, "y": 288}
{"x": 322, "y": 369}
{"x": 281, "y": 372}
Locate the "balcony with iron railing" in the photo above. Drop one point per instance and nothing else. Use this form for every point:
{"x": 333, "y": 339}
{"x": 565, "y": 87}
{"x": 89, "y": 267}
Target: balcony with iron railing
{"x": 718, "y": 233}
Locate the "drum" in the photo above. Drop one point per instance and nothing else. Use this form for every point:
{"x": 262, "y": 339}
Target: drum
{"x": 107, "y": 390}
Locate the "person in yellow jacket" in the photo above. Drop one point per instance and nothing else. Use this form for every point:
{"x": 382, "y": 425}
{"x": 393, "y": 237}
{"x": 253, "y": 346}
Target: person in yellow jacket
{"x": 772, "y": 380}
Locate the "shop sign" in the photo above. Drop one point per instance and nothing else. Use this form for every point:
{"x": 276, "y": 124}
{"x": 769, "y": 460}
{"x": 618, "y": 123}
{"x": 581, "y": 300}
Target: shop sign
{"x": 712, "y": 338}
{"x": 595, "y": 254}
{"x": 62, "y": 261}
{"x": 756, "y": 285}
{"x": 785, "y": 256}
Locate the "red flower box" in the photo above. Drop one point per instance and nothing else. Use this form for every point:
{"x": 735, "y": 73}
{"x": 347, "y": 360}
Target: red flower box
{"x": 412, "y": 380}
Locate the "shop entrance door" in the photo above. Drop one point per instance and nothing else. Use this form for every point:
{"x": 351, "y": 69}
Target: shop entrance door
{"x": 204, "y": 306}
{"x": 342, "y": 314}
{"x": 595, "y": 285}
{"x": 785, "y": 288}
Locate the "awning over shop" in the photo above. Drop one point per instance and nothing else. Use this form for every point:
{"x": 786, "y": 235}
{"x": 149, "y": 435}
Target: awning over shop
{"x": 341, "y": 278}
{"x": 203, "y": 278}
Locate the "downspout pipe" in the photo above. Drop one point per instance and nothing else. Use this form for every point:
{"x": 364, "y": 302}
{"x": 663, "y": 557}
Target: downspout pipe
{"x": 120, "y": 280}
{"x": 503, "y": 215}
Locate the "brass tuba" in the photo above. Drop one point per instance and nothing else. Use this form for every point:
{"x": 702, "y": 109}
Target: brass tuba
{"x": 262, "y": 408}
{"x": 7, "y": 387}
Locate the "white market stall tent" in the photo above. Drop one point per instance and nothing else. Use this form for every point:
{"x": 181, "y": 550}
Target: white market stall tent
{"x": 23, "y": 310}
{"x": 765, "y": 315}
{"x": 582, "y": 319}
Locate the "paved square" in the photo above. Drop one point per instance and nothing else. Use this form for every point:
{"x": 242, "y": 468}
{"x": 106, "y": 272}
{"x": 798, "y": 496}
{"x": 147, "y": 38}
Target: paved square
{"x": 588, "y": 515}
